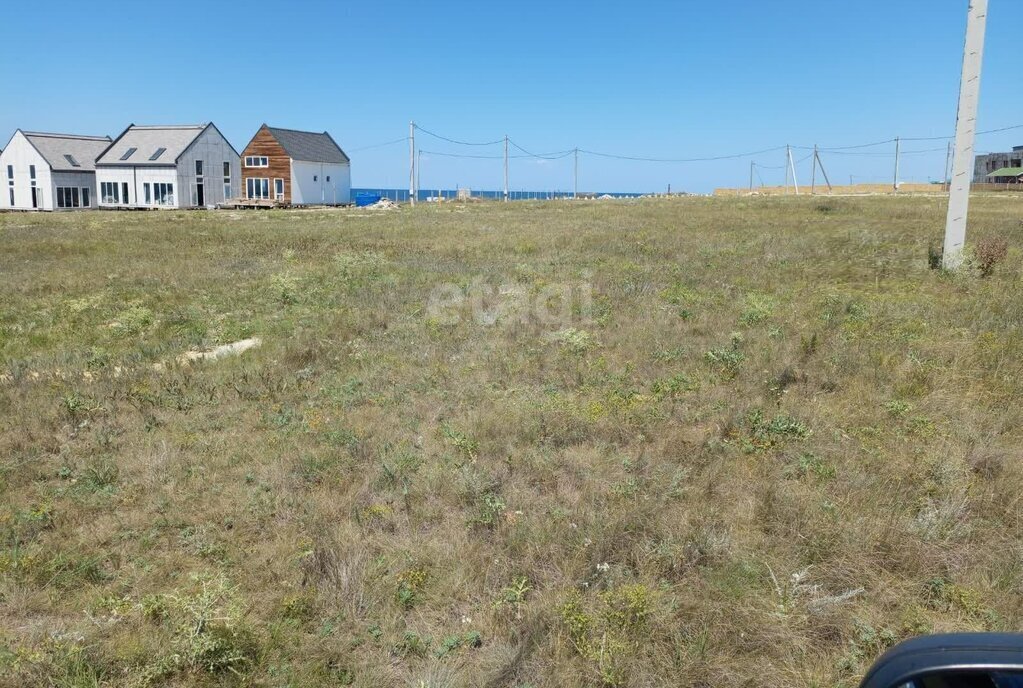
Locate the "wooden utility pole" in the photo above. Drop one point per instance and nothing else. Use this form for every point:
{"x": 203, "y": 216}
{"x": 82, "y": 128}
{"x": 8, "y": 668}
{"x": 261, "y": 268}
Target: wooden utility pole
{"x": 895, "y": 180}
{"x": 966, "y": 131}
{"x": 505, "y": 168}
{"x": 412, "y": 162}
{"x": 751, "y": 165}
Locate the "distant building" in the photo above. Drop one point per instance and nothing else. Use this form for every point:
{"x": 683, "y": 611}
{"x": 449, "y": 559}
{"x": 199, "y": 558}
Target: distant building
{"x": 999, "y": 168}
{"x": 50, "y": 171}
{"x": 190, "y": 166}
{"x": 295, "y": 168}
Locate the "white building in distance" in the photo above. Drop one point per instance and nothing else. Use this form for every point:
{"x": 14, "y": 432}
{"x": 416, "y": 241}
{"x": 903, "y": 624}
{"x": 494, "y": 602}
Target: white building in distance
{"x": 190, "y": 166}
{"x": 45, "y": 171}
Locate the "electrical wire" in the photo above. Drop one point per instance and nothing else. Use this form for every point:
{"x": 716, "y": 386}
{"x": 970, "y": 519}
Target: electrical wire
{"x": 403, "y": 139}
{"x": 463, "y": 155}
{"x": 557, "y": 155}
{"x": 708, "y": 159}
{"x": 491, "y": 157}
{"x": 455, "y": 141}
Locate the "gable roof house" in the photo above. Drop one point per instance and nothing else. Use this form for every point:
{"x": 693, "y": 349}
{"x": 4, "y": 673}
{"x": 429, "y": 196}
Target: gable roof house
{"x": 44, "y": 171}
{"x": 295, "y": 168}
{"x": 188, "y": 166}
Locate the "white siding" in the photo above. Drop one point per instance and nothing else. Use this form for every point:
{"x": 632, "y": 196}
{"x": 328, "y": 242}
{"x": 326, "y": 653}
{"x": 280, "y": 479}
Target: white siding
{"x": 136, "y": 178}
{"x": 22, "y": 154}
{"x": 309, "y": 185}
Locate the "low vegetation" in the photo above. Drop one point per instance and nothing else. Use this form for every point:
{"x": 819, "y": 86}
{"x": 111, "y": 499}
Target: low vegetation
{"x": 705, "y": 442}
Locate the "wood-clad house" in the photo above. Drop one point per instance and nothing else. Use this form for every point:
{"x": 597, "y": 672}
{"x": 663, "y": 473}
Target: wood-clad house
{"x": 44, "y": 171}
{"x": 295, "y": 168}
{"x": 187, "y": 166}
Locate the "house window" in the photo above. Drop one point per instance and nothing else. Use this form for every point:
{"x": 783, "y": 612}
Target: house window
{"x": 86, "y": 201}
{"x": 10, "y": 172}
{"x": 1017, "y": 163}
{"x": 227, "y": 169}
{"x": 315, "y": 178}
{"x": 128, "y": 153}
{"x": 109, "y": 193}
{"x": 124, "y": 192}
{"x": 279, "y": 189}
{"x": 257, "y": 161}
{"x": 198, "y": 168}
{"x": 71, "y": 160}
{"x": 32, "y": 172}
{"x": 328, "y": 179}
{"x": 163, "y": 193}
{"x": 257, "y": 188}
{"x": 157, "y": 153}
{"x": 227, "y": 180}
{"x": 68, "y": 197}
{"x": 146, "y": 191}
{"x": 12, "y": 196}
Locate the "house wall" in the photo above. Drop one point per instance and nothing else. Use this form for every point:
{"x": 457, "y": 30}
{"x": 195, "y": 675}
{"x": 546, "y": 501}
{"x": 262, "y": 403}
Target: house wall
{"x": 79, "y": 180}
{"x": 21, "y": 153}
{"x": 136, "y": 176}
{"x": 989, "y": 162}
{"x": 214, "y": 150}
{"x": 310, "y": 186}
{"x": 264, "y": 144}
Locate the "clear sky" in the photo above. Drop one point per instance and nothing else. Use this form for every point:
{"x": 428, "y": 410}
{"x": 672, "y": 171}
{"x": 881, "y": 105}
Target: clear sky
{"x": 652, "y": 79}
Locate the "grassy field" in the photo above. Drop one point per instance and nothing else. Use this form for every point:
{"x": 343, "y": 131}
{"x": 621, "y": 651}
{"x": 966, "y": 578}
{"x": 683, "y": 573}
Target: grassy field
{"x": 680, "y": 442}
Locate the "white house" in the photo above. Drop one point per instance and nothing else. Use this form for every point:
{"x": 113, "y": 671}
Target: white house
{"x": 191, "y": 166}
{"x": 296, "y": 168}
{"x": 50, "y": 171}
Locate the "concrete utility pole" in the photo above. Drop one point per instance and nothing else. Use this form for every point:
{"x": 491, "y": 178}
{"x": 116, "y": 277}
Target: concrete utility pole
{"x": 824, "y": 172}
{"x": 792, "y": 167}
{"x": 813, "y": 172}
{"x": 895, "y": 180}
{"x": 575, "y": 185}
{"x": 786, "y": 169}
{"x": 505, "y": 168}
{"x": 412, "y": 162}
{"x": 966, "y": 132}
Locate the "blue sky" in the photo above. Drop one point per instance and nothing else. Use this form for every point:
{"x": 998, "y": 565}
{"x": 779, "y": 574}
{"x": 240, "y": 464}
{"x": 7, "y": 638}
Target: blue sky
{"x": 650, "y": 79}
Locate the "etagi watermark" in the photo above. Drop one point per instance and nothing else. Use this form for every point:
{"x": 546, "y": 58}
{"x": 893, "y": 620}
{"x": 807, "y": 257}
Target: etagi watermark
{"x": 488, "y": 304}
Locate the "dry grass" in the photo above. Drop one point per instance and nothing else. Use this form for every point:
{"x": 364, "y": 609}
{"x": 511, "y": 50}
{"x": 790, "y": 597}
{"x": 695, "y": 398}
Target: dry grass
{"x": 763, "y": 443}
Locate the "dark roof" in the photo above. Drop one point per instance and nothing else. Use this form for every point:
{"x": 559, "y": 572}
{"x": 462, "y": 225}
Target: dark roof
{"x": 308, "y": 146}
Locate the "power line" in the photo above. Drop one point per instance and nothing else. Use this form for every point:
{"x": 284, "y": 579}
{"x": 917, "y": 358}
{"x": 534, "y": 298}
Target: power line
{"x": 403, "y": 139}
{"x": 495, "y": 157}
{"x": 464, "y": 155}
{"x": 842, "y": 148}
{"x": 733, "y": 156}
{"x": 545, "y": 156}
{"x": 457, "y": 142}
{"x": 707, "y": 159}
